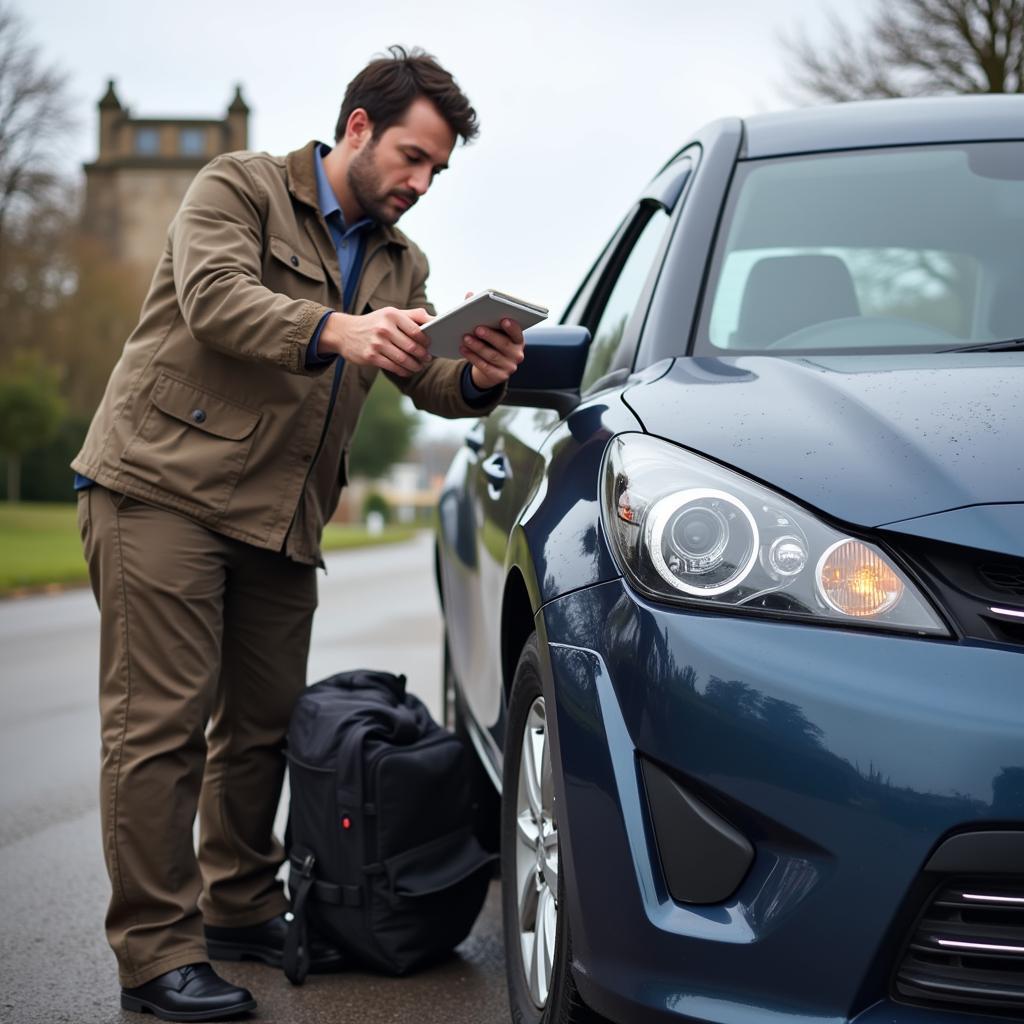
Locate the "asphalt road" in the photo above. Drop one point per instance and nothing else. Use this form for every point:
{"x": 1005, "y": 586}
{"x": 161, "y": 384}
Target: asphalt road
{"x": 377, "y": 608}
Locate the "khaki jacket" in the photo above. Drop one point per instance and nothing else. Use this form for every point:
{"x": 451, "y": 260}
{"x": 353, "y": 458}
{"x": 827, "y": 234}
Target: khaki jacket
{"x": 210, "y": 410}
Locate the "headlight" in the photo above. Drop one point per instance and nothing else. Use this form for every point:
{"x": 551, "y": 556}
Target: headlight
{"x": 683, "y": 528}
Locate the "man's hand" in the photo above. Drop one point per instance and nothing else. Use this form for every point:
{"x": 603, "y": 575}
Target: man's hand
{"x": 388, "y": 338}
{"x": 493, "y": 355}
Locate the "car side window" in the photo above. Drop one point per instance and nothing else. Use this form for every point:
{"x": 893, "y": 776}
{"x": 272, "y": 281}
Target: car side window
{"x": 611, "y": 321}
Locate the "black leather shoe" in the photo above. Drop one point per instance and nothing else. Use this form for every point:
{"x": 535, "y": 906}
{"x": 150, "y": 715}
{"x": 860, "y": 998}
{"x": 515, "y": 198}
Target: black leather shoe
{"x": 195, "y": 992}
{"x": 265, "y": 943}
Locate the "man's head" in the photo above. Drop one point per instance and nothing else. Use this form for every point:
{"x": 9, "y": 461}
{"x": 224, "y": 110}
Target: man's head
{"x": 398, "y": 125}
{"x": 386, "y": 88}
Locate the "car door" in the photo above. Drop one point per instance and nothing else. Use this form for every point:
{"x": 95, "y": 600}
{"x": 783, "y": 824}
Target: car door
{"x": 503, "y": 462}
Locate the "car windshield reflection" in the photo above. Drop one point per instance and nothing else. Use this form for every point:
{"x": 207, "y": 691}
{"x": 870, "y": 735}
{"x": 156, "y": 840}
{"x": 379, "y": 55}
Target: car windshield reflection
{"x": 904, "y": 249}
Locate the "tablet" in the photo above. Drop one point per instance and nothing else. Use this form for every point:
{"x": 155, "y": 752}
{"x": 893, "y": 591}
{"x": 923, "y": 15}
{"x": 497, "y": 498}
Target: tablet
{"x": 485, "y": 309}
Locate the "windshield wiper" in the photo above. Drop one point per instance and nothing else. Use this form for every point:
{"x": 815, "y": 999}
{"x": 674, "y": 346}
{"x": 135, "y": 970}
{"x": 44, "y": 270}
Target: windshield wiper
{"x": 989, "y": 346}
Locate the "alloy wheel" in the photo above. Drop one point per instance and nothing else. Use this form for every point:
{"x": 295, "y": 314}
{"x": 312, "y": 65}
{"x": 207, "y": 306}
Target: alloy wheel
{"x": 536, "y": 856}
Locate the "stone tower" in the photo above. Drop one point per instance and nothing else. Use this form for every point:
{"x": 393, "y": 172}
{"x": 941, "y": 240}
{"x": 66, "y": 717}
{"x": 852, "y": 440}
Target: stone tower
{"x": 144, "y": 166}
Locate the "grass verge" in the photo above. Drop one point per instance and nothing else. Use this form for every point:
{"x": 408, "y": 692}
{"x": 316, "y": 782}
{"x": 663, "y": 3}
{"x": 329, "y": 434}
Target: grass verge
{"x": 339, "y": 536}
{"x": 40, "y": 546}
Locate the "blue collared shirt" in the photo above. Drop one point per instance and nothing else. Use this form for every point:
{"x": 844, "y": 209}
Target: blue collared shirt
{"x": 349, "y": 243}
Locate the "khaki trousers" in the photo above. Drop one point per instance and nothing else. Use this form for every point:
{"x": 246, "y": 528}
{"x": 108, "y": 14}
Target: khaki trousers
{"x": 203, "y": 647}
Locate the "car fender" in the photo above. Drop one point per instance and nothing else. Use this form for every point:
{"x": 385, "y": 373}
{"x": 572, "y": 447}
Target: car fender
{"x": 557, "y": 544}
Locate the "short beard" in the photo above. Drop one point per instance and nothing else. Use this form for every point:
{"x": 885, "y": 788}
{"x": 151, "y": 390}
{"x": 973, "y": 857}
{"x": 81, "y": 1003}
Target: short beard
{"x": 364, "y": 182}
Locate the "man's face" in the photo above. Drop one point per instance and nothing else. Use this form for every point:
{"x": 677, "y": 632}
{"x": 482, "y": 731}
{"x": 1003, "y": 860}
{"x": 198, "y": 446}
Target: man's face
{"x": 389, "y": 174}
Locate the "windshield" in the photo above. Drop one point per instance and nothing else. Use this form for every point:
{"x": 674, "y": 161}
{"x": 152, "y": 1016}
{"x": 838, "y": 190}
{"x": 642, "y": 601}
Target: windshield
{"x": 897, "y": 249}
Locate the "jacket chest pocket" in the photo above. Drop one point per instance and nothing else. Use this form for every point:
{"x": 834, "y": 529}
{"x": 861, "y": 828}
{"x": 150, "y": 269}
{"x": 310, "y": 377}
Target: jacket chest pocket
{"x": 191, "y": 443}
{"x": 292, "y": 272}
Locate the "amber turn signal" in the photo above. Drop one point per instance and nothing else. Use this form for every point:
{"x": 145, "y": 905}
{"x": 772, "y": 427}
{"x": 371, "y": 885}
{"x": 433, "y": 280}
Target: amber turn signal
{"x": 854, "y": 580}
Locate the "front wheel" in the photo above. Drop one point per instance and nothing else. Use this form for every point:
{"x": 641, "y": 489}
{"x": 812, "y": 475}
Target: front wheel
{"x": 536, "y": 926}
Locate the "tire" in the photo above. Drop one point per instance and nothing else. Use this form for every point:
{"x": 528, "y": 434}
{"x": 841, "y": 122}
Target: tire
{"x": 538, "y": 946}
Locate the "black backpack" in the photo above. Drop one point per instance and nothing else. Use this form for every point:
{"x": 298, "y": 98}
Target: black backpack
{"x": 383, "y": 859}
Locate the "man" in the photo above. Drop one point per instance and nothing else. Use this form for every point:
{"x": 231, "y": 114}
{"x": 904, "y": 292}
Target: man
{"x": 215, "y": 457}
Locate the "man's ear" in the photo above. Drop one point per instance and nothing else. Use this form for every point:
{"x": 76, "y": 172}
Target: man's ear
{"x": 358, "y": 128}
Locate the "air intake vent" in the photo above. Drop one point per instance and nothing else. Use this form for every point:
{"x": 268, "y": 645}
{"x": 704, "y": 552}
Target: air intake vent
{"x": 1006, "y": 575}
{"x": 968, "y": 583}
{"x": 967, "y": 950}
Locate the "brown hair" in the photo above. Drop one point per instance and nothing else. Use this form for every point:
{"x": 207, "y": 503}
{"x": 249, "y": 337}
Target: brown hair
{"x": 388, "y": 85}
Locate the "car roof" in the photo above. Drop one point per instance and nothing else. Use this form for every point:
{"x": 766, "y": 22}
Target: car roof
{"x": 884, "y": 123}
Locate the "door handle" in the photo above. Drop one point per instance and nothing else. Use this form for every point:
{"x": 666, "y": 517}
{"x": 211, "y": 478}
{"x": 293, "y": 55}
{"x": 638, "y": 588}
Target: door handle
{"x": 497, "y": 471}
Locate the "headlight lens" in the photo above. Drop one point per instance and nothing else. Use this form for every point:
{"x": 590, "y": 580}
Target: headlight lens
{"x": 683, "y": 528}
{"x": 701, "y": 541}
{"x": 854, "y": 580}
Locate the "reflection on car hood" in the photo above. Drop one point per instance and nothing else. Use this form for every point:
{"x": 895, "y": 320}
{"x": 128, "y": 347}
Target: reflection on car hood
{"x": 867, "y": 439}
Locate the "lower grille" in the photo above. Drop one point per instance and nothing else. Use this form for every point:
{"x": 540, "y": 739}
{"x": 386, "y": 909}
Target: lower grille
{"x": 967, "y": 949}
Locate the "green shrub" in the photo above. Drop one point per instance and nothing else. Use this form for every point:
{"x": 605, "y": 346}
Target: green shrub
{"x": 376, "y": 502}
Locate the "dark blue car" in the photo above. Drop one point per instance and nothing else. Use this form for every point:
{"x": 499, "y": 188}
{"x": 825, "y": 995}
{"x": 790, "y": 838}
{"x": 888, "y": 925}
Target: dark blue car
{"x": 734, "y": 587}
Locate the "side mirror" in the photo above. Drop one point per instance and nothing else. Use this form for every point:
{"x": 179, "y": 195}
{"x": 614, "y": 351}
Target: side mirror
{"x": 550, "y": 373}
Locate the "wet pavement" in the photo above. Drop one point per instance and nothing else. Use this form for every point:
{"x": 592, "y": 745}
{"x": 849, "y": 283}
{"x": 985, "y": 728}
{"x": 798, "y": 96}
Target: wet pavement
{"x": 377, "y": 608}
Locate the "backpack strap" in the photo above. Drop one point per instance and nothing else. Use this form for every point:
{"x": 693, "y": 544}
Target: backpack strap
{"x": 296, "y": 943}
{"x": 339, "y": 895}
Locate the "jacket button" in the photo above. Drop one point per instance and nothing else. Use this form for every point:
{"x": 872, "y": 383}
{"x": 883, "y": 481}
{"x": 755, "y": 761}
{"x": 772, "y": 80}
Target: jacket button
{"x": 295, "y": 261}
{"x": 198, "y": 416}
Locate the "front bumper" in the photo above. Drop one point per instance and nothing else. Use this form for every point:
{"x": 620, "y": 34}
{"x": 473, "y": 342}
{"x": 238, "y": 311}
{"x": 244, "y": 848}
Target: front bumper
{"x": 844, "y": 757}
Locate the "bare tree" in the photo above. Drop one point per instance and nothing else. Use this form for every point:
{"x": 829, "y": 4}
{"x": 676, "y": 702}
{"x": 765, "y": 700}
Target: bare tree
{"x": 916, "y": 48}
{"x": 36, "y": 206}
{"x": 34, "y": 117}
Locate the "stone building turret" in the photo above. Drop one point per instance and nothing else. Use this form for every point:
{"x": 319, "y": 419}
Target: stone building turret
{"x": 144, "y": 166}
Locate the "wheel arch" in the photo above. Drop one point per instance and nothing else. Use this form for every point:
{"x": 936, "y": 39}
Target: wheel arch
{"x": 517, "y": 625}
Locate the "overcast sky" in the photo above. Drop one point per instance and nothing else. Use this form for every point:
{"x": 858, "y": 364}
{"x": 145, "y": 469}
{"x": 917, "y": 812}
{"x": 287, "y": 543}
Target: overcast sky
{"x": 579, "y": 101}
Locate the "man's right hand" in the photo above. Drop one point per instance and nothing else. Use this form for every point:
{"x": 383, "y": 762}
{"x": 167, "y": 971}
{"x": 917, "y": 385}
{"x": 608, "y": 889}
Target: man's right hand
{"x": 387, "y": 338}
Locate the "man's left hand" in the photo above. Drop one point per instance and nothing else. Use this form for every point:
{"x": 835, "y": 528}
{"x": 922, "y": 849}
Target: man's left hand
{"x": 493, "y": 355}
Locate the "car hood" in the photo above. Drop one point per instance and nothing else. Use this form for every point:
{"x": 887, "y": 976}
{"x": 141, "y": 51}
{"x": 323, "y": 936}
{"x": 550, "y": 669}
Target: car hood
{"x": 870, "y": 440}
{"x": 985, "y": 527}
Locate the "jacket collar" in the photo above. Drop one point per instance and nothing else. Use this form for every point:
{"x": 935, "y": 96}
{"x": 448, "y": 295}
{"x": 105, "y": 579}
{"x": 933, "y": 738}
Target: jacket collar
{"x": 301, "y": 174}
